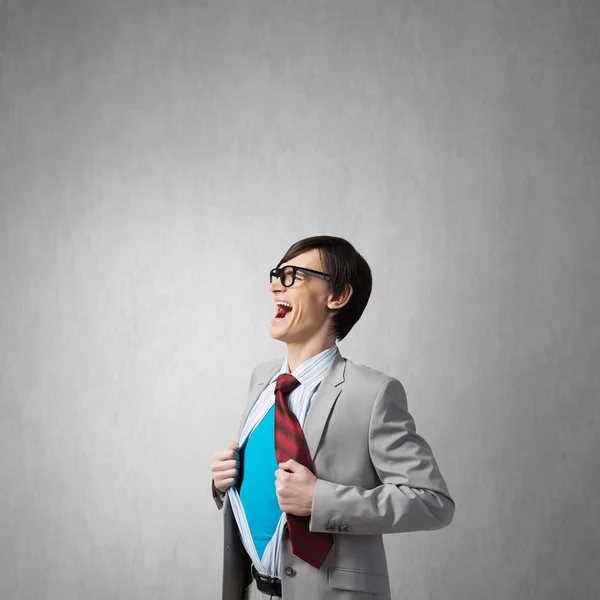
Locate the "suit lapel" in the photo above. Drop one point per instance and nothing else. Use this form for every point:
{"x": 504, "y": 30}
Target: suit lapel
{"x": 322, "y": 404}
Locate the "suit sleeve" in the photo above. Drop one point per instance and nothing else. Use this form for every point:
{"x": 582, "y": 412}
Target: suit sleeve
{"x": 413, "y": 495}
{"x": 218, "y": 496}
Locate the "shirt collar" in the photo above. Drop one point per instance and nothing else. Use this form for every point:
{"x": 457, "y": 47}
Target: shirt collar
{"x": 310, "y": 367}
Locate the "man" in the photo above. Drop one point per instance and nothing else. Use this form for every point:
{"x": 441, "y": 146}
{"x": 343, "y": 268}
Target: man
{"x": 327, "y": 458}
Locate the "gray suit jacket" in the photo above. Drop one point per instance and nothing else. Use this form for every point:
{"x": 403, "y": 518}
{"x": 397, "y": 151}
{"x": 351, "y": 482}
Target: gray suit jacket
{"x": 375, "y": 474}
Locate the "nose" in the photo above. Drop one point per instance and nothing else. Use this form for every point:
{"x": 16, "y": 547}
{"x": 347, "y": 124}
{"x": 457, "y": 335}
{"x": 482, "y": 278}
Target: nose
{"x": 275, "y": 286}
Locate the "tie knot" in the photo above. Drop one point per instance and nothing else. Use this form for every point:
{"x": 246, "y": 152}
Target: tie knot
{"x": 286, "y": 383}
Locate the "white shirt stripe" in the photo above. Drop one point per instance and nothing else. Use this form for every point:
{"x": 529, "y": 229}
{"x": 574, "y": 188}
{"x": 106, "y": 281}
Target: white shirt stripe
{"x": 310, "y": 374}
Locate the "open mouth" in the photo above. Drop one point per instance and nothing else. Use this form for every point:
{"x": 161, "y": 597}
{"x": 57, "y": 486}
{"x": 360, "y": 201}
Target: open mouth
{"x": 283, "y": 310}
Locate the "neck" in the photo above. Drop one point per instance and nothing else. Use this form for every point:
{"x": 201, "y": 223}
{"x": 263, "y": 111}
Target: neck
{"x": 297, "y": 353}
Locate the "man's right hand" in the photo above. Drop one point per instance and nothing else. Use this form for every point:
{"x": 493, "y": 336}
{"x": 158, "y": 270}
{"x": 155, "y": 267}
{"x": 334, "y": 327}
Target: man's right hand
{"x": 225, "y": 466}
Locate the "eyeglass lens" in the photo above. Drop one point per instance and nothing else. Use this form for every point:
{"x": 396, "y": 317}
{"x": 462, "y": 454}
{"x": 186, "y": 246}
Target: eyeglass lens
{"x": 286, "y": 276}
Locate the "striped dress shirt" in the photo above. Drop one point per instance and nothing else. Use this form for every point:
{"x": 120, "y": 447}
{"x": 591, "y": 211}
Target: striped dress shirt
{"x": 310, "y": 374}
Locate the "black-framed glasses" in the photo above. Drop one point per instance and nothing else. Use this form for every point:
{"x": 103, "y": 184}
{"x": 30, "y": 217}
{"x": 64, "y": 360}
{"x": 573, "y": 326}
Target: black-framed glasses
{"x": 287, "y": 274}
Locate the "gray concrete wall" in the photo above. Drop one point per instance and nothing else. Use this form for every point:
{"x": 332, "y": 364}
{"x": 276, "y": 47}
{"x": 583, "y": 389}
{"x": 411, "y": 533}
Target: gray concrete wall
{"x": 157, "y": 158}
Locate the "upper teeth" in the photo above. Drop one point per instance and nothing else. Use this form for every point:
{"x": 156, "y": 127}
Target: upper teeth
{"x": 284, "y": 304}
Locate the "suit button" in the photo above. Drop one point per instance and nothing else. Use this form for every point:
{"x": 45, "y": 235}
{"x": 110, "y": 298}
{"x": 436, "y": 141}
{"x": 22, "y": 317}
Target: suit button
{"x": 289, "y": 571}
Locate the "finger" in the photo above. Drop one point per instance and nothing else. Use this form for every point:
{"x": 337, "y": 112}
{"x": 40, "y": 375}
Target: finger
{"x": 234, "y": 446}
{"x": 233, "y": 454}
{"x": 223, "y": 455}
{"x": 225, "y": 484}
{"x": 230, "y": 453}
{"x": 222, "y": 476}
{"x": 224, "y": 465}
{"x": 291, "y": 465}
{"x": 280, "y": 474}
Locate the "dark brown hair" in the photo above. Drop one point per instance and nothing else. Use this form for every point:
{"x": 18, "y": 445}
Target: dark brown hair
{"x": 344, "y": 265}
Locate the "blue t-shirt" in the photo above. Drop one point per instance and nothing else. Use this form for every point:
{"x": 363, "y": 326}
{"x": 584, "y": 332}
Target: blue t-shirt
{"x": 256, "y": 482}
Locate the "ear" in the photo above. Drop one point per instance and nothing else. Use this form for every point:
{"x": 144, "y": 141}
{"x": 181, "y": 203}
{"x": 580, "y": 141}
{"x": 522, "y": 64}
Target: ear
{"x": 343, "y": 299}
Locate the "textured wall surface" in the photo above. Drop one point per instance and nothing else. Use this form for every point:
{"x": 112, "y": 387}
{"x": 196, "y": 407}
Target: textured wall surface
{"x": 157, "y": 158}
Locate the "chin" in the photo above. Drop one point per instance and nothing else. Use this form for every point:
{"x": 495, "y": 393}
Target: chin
{"x": 276, "y": 335}
{"x": 280, "y": 333}
{"x": 280, "y": 337}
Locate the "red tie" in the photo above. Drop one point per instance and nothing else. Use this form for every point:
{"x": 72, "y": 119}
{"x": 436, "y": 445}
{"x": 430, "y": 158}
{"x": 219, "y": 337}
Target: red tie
{"x": 290, "y": 443}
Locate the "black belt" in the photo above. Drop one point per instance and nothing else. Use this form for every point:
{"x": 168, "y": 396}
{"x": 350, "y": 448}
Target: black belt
{"x": 266, "y": 584}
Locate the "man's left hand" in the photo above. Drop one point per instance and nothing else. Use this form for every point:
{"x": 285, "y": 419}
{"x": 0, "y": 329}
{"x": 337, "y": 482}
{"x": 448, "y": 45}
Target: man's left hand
{"x": 295, "y": 485}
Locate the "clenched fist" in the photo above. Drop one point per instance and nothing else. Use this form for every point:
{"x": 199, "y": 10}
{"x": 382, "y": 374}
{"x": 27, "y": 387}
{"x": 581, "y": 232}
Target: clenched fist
{"x": 225, "y": 466}
{"x": 295, "y": 488}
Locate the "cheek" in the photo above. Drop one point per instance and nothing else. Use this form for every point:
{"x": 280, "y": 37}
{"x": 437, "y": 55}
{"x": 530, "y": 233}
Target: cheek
{"x": 310, "y": 308}
{"x": 306, "y": 314}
